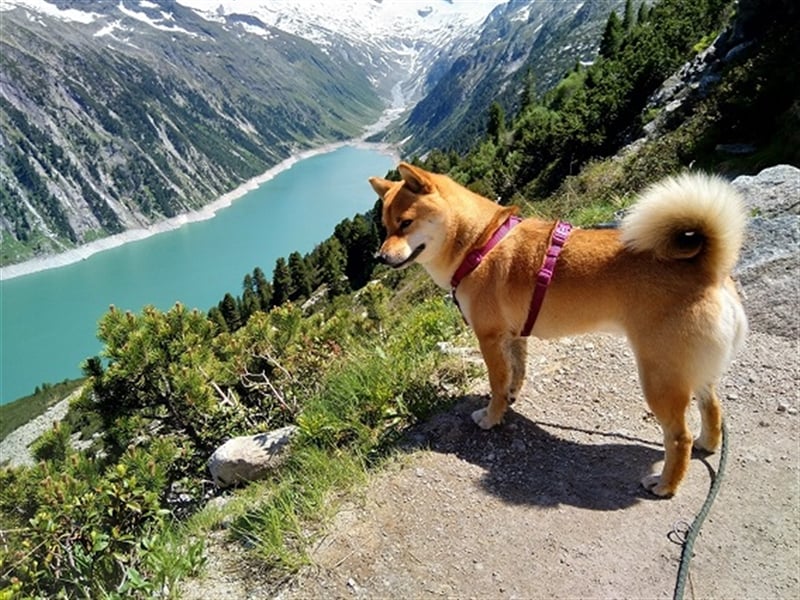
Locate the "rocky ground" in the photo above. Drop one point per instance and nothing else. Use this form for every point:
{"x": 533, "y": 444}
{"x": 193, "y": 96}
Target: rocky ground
{"x": 549, "y": 505}
{"x": 15, "y": 447}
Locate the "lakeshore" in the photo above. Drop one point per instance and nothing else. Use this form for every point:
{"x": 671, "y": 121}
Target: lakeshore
{"x": 50, "y": 318}
{"x": 84, "y": 251}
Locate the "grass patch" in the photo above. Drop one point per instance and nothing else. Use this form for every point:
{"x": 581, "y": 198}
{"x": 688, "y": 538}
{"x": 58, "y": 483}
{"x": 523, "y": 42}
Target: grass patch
{"x": 17, "y": 413}
{"x": 299, "y": 502}
{"x": 596, "y": 195}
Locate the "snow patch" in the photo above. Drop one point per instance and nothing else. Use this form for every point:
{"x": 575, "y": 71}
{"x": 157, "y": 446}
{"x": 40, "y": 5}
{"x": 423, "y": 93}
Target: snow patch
{"x": 143, "y": 18}
{"x": 51, "y": 10}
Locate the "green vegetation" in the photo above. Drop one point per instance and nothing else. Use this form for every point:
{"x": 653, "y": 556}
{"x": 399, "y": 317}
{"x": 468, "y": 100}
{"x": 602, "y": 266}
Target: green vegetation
{"x": 169, "y": 387}
{"x": 343, "y": 263}
{"x": 594, "y": 111}
{"x": 591, "y": 113}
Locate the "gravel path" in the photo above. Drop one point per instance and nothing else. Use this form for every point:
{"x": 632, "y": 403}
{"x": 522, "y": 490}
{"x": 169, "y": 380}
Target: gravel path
{"x": 550, "y": 506}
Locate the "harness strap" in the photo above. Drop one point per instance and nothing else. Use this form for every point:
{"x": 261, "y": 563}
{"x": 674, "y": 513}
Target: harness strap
{"x": 558, "y": 238}
{"x": 474, "y": 258}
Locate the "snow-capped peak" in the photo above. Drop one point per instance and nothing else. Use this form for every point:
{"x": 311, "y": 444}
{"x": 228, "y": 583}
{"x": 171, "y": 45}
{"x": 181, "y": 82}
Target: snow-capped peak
{"x": 400, "y": 23}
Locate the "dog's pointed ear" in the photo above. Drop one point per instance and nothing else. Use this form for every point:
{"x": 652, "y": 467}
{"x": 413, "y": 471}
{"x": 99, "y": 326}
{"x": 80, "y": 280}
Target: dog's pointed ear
{"x": 417, "y": 180}
{"x": 381, "y": 186}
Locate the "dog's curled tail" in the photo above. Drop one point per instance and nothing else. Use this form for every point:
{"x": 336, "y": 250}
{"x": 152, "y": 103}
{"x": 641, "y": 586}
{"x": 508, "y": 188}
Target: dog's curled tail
{"x": 692, "y": 216}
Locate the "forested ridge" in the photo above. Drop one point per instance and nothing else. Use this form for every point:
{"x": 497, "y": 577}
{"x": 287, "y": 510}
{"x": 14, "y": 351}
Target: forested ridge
{"x": 342, "y": 347}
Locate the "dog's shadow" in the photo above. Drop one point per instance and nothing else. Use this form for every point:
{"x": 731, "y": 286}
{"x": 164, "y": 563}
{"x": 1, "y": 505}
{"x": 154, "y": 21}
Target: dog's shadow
{"x": 526, "y": 464}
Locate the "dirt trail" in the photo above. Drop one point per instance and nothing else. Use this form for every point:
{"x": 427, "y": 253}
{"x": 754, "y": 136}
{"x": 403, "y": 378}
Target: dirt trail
{"x": 549, "y": 505}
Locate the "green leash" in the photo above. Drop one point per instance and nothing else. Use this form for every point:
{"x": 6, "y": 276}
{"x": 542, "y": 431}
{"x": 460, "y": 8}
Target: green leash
{"x": 694, "y": 528}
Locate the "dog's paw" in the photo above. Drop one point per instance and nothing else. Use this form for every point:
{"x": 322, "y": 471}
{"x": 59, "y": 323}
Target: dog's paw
{"x": 481, "y": 417}
{"x": 652, "y": 483}
{"x": 705, "y": 445}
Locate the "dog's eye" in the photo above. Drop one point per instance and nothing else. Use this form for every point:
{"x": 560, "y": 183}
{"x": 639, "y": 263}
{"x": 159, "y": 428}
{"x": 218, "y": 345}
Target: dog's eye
{"x": 405, "y": 224}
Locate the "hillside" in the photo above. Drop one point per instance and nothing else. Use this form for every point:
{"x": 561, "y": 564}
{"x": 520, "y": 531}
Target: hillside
{"x": 117, "y": 115}
{"x": 525, "y": 47}
{"x": 549, "y": 506}
{"x": 116, "y": 118}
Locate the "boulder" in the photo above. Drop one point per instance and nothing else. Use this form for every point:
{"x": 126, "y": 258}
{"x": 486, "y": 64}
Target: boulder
{"x": 250, "y": 457}
{"x": 770, "y": 258}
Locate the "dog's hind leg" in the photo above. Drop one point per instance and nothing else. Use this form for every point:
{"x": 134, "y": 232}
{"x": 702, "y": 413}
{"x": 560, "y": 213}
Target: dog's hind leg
{"x": 519, "y": 354}
{"x": 494, "y": 348}
{"x": 668, "y": 397}
{"x": 729, "y": 332}
{"x": 711, "y": 419}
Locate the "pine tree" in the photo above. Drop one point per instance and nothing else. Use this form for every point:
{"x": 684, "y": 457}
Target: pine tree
{"x": 216, "y": 317}
{"x": 229, "y": 308}
{"x": 612, "y": 37}
{"x": 263, "y": 288}
{"x": 250, "y": 301}
{"x": 360, "y": 240}
{"x": 496, "y": 129}
{"x": 528, "y": 96}
{"x": 627, "y": 19}
{"x": 331, "y": 266}
{"x": 300, "y": 276}
{"x": 281, "y": 283}
{"x": 643, "y": 15}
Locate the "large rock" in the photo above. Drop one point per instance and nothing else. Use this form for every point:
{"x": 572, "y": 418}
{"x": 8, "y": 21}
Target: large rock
{"x": 770, "y": 261}
{"x": 250, "y": 457}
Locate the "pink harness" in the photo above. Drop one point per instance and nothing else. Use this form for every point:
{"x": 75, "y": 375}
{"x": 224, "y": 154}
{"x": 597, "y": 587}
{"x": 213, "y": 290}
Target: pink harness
{"x": 471, "y": 261}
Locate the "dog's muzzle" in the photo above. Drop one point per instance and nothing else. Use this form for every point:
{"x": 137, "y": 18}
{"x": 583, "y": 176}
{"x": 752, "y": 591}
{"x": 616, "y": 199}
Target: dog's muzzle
{"x": 385, "y": 259}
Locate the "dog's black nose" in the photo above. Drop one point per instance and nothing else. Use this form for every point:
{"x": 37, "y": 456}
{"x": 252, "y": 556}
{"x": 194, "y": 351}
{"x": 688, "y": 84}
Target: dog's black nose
{"x": 381, "y": 257}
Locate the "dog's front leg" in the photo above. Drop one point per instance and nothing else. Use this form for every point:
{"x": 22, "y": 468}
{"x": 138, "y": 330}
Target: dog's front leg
{"x": 519, "y": 357}
{"x": 495, "y": 355}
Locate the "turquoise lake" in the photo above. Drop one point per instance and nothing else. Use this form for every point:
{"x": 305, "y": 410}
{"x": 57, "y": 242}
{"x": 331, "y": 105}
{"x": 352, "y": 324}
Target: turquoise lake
{"x": 48, "y": 320}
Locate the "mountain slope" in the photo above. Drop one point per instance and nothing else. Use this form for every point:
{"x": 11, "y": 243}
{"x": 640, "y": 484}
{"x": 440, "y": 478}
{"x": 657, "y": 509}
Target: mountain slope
{"x": 116, "y": 115}
{"x": 522, "y": 44}
{"x": 398, "y": 43}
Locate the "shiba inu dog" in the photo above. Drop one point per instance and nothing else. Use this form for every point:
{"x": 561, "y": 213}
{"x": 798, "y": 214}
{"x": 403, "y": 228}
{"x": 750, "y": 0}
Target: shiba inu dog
{"x": 662, "y": 279}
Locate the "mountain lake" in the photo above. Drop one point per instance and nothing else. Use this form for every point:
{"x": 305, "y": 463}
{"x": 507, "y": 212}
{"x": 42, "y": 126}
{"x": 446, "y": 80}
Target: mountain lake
{"x": 48, "y": 319}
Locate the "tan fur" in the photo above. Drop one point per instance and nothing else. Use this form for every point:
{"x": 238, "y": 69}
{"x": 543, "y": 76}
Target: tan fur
{"x": 662, "y": 280}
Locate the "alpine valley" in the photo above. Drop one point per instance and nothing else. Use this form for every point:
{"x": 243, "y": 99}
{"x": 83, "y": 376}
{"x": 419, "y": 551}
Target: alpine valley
{"x": 119, "y": 114}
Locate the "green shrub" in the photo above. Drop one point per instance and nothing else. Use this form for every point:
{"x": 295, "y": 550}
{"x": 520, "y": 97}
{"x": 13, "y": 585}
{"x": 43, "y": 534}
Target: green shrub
{"x": 53, "y": 445}
{"x": 90, "y": 523}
